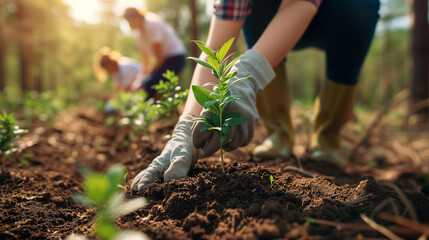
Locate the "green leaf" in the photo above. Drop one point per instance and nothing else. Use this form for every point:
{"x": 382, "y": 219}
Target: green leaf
{"x": 236, "y": 82}
{"x": 234, "y": 121}
{"x": 206, "y": 49}
{"x": 203, "y": 96}
{"x": 223, "y": 138}
{"x": 216, "y": 129}
{"x": 210, "y": 103}
{"x": 210, "y": 84}
{"x": 216, "y": 119}
{"x": 204, "y": 128}
{"x": 199, "y": 61}
{"x": 225, "y": 130}
{"x": 105, "y": 229}
{"x": 231, "y": 115}
{"x": 224, "y": 49}
{"x": 232, "y": 63}
{"x": 27, "y": 155}
{"x": 226, "y": 58}
{"x": 205, "y": 120}
{"x": 116, "y": 173}
{"x": 214, "y": 63}
{"x": 229, "y": 76}
{"x": 97, "y": 187}
{"x": 227, "y": 101}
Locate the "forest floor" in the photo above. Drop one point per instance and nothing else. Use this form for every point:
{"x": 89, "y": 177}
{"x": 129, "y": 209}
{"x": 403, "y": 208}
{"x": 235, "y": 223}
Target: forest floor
{"x": 35, "y": 198}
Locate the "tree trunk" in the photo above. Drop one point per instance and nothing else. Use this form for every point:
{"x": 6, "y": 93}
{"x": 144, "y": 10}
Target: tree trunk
{"x": 23, "y": 39}
{"x": 2, "y": 57}
{"x": 420, "y": 55}
{"x": 194, "y": 29}
{"x": 38, "y": 76}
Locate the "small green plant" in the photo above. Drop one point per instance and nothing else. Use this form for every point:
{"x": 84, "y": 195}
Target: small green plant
{"x": 172, "y": 96}
{"x": 103, "y": 193}
{"x": 25, "y": 157}
{"x": 136, "y": 111}
{"x": 218, "y": 100}
{"x": 271, "y": 180}
{"x": 45, "y": 106}
{"x": 9, "y": 132}
{"x": 308, "y": 221}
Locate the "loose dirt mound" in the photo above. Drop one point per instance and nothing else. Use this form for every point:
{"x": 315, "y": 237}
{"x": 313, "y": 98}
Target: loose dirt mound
{"x": 208, "y": 204}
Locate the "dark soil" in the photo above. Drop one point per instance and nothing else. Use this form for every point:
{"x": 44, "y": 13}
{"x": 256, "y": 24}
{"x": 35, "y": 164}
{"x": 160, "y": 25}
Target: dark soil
{"x": 208, "y": 204}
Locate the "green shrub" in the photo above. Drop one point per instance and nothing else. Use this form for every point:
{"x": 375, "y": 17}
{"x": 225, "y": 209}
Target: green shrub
{"x": 9, "y": 132}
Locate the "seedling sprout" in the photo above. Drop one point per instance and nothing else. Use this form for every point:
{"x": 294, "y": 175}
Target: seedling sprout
{"x": 218, "y": 100}
{"x": 103, "y": 193}
{"x": 9, "y": 132}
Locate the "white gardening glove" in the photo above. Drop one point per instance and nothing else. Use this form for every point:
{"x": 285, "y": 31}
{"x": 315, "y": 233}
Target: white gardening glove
{"x": 174, "y": 161}
{"x": 253, "y": 64}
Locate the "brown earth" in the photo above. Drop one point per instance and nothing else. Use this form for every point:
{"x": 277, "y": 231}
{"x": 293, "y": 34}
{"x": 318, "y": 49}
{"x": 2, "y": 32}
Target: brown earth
{"x": 208, "y": 204}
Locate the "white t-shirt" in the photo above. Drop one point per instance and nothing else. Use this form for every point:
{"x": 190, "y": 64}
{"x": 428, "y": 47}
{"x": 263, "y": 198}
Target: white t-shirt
{"x": 129, "y": 70}
{"x": 158, "y": 31}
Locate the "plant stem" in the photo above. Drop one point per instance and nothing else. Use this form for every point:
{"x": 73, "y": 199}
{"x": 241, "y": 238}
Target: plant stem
{"x": 220, "y": 141}
{"x": 221, "y": 157}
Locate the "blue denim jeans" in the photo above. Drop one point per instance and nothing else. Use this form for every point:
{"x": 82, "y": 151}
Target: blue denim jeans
{"x": 175, "y": 64}
{"x": 342, "y": 28}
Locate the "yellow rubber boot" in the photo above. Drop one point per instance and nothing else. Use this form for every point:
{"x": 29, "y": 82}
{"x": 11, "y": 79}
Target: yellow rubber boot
{"x": 332, "y": 110}
{"x": 273, "y": 105}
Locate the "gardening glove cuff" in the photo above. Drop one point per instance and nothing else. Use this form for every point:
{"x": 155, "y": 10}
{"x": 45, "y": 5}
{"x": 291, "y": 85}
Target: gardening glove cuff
{"x": 252, "y": 64}
{"x": 174, "y": 162}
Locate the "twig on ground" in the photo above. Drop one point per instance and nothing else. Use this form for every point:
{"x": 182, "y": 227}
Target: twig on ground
{"x": 383, "y": 230}
{"x": 361, "y": 199}
{"x": 422, "y": 228}
{"x": 363, "y": 227}
{"x": 300, "y": 171}
{"x": 403, "y": 198}
{"x": 383, "y": 204}
{"x": 298, "y": 161}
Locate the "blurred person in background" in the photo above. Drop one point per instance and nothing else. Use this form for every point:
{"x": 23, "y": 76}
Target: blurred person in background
{"x": 160, "y": 47}
{"x": 125, "y": 72}
{"x": 343, "y": 29}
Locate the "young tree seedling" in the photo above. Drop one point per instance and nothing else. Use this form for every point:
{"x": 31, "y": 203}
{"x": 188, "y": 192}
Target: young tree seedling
{"x": 271, "y": 180}
{"x": 172, "y": 96}
{"x": 25, "y": 157}
{"x": 136, "y": 111}
{"x": 103, "y": 193}
{"x": 218, "y": 100}
{"x": 9, "y": 132}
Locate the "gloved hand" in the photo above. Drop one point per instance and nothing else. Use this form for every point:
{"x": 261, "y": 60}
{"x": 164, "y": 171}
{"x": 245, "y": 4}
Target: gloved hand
{"x": 174, "y": 161}
{"x": 253, "y": 64}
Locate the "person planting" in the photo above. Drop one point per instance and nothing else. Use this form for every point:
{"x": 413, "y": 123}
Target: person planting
{"x": 160, "y": 47}
{"x": 343, "y": 29}
{"x": 126, "y": 72}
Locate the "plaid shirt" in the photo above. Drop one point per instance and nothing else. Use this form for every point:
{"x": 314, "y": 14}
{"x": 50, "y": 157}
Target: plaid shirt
{"x": 239, "y": 9}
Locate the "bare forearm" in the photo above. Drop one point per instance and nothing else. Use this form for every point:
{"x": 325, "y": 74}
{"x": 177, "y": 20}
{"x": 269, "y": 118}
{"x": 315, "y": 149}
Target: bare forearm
{"x": 285, "y": 30}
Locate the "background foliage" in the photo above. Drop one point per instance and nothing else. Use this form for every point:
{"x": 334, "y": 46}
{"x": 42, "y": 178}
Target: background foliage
{"x": 44, "y": 48}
